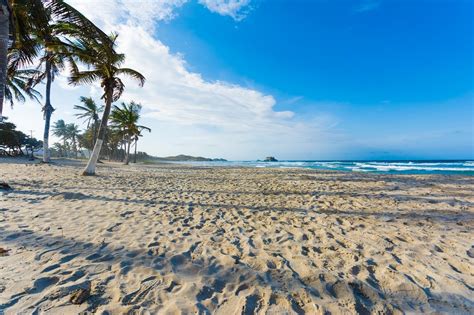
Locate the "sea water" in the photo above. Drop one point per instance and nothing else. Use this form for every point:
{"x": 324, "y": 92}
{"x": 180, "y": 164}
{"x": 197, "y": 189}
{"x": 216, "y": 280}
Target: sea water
{"x": 459, "y": 167}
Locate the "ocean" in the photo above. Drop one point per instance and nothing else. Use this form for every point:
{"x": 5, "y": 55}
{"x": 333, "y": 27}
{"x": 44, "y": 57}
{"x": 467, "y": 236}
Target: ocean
{"x": 455, "y": 167}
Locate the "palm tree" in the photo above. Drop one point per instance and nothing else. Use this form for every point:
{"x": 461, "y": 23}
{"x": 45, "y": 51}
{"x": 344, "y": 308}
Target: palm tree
{"x": 18, "y": 20}
{"x": 126, "y": 118}
{"x": 4, "y": 39}
{"x": 51, "y": 64}
{"x": 114, "y": 139}
{"x": 59, "y": 148}
{"x": 72, "y": 133}
{"x": 39, "y": 25}
{"x": 60, "y": 131}
{"x": 21, "y": 24}
{"x": 17, "y": 84}
{"x": 50, "y": 37}
{"x": 90, "y": 113}
{"x": 105, "y": 66}
{"x": 136, "y": 138}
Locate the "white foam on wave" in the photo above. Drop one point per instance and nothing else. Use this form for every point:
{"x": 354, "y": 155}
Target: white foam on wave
{"x": 415, "y": 167}
{"x": 360, "y": 166}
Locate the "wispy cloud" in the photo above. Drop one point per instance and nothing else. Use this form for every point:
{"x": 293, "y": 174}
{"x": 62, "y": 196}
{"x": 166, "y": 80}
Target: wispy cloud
{"x": 147, "y": 13}
{"x": 237, "y": 9}
{"x": 292, "y": 100}
{"x": 367, "y": 5}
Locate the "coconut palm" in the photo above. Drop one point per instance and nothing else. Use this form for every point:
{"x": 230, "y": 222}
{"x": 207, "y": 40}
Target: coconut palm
{"x": 89, "y": 111}
{"x": 72, "y": 133}
{"x": 18, "y": 20}
{"x": 59, "y": 148}
{"x": 50, "y": 65}
{"x": 39, "y": 26}
{"x": 105, "y": 66}
{"x": 4, "y": 39}
{"x": 21, "y": 25}
{"x": 50, "y": 37}
{"x": 114, "y": 140}
{"x": 17, "y": 85}
{"x": 60, "y": 131}
{"x": 136, "y": 137}
{"x": 126, "y": 118}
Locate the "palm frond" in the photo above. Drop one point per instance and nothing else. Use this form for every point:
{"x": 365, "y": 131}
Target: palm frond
{"x": 67, "y": 13}
{"x": 133, "y": 74}
{"x": 18, "y": 82}
{"x": 83, "y": 77}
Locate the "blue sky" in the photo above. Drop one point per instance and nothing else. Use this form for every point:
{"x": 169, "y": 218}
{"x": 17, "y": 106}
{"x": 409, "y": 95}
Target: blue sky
{"x": 321, "y": 79}
{"x": 402, "y": 51}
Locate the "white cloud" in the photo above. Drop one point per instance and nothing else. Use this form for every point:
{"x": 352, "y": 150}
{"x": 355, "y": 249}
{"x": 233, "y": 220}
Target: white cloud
{"x": 189, "y": 114}
{"x": 147, "y": 12}
{"x": 224, "y": 114}
{"x": 232, "y": 8}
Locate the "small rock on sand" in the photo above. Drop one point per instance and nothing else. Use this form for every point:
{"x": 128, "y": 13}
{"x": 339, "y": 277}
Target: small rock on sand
{"x": 470, "y": 252}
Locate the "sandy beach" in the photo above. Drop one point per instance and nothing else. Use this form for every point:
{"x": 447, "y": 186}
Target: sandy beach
{"x": 175, "y": 239}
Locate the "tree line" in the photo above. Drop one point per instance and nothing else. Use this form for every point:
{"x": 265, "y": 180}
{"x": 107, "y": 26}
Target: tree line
{"x": 14, "y": 142}
{"x": 122, "y": 133}
{"x": 40, "y": 39}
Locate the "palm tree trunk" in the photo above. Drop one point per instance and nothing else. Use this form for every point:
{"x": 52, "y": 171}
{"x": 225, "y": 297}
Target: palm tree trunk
{"x": 124, "y": 149}
{"x": 74, "y": 146}
{"x": 135, "y": 154}
{"x": 94, "y": 136}
{"x": 48, "y": 110}
{"x": 4, "y": 31}
{"x": 127, "y": 158}
{"x": 91, "y": 165}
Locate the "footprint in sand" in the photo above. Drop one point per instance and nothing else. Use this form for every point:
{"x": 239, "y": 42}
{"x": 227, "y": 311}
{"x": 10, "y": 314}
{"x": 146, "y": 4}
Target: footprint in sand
{"x": 252, "y": 304}
{"x": 173, "y": 287}
{"x": 67, "y": 258}
{"x": 205, "y": 293}
{"x": 146, "y": 287}
{"x": 78, "y": 274}
{"x": 40, "y": 284}
{"x": 49, "y": 268}
{"x": 113, "y": 227}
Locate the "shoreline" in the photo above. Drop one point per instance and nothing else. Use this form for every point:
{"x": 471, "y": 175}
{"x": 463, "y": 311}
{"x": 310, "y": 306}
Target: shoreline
{"x": 255, "y": 165}
{"x": 169, "y": 238}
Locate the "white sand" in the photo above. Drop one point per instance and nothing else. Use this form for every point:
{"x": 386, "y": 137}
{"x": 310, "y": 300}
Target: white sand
{"x": 227, "y": 241}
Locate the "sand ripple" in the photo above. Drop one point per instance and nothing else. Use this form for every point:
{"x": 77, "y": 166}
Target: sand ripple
{"x": 229, "y": 241}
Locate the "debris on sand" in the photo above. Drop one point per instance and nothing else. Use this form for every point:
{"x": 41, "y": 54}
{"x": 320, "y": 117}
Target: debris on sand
{"x": 80, "y": 295}
{"x": 5, "y": 186}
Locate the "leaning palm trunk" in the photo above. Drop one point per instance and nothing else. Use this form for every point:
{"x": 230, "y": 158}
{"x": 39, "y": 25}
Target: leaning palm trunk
{"x": 66, "y": 147}
{"x": 122, "y": 150}
{"x": 74, "y": 146}
{"x": 94, "y": 135}
{"x": 48, "y": 110}
{"x": 91, "y": 165}
{"x": 135, "y": 154}
{"x": 4, "y": 31}
{"x": 127, "y": 157}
